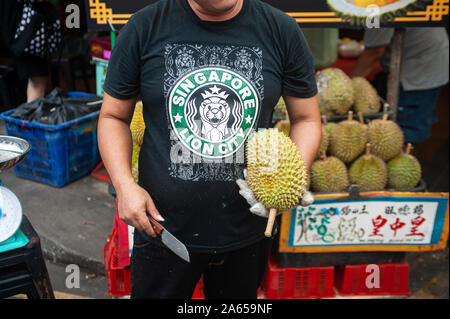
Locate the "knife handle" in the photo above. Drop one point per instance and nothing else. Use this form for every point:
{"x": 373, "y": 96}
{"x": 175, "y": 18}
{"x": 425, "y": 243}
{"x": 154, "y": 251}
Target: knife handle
{"x": 157, "y": 227}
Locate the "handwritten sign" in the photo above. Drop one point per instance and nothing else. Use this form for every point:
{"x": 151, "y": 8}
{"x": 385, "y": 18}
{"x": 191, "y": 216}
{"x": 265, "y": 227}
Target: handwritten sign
{"x": 382, "y": 221}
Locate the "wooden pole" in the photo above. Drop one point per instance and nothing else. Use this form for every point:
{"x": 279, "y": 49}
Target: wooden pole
{"x": 393, "y": 85}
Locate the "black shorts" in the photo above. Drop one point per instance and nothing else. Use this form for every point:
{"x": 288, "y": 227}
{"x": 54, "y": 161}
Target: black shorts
{"x": 29, "y": 67}
{"x": 157, "y": 273}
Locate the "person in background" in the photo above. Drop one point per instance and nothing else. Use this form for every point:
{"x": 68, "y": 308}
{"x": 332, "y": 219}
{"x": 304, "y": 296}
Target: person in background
{"x": 30, "y": 68}
{"x": 424, "y": 71}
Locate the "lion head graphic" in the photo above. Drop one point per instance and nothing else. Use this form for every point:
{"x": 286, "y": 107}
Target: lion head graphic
{"x": 215, "y": 113}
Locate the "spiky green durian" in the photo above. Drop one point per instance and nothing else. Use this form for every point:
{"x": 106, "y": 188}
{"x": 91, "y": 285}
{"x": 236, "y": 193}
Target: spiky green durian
{"x": 328, "y": 125}
{"x": 386, "y": 138}
{"x": 137, "y": 124}
{"x": 366, "y": 97}
{"x": 404, "y": 171}
{"x": 355, "y": 11}
{"x": 135, "y": 160}
{"x": 369, "y": 172}
{"x": 348, "y": 139}
{"x": 324, "y": 142}
{"x": 280, "y": 108}
{"x": 328, "y": 175}
{"x": 284, "y": 126}
{"x": 276, "y": 172}
{"x": 335, "y": 91}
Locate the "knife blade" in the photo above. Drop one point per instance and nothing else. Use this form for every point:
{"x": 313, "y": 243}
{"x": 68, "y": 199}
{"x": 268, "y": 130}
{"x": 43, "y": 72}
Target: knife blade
{"x": 171, "y": 242}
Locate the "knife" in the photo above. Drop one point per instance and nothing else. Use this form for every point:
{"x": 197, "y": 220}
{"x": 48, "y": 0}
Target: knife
{"x": 169, "y": 240}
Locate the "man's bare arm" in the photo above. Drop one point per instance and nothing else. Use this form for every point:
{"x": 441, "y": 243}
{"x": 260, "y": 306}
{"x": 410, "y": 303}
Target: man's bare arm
{"x": 115, "y": 144}
{"x": 306, "y": 126}
{"x": 114, "y": 137}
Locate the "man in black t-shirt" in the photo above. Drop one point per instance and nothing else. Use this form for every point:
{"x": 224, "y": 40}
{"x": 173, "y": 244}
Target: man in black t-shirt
{"x": 209, "y": 72}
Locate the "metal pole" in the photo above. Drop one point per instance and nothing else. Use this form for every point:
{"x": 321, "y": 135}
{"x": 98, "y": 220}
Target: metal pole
{"x": 393, "y": 85}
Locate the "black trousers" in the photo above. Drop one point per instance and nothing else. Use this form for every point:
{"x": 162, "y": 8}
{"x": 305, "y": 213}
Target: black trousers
{"x": 157, "y": 273}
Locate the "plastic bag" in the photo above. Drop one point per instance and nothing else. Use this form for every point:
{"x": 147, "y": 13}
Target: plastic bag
{"x": 56, "y": 108}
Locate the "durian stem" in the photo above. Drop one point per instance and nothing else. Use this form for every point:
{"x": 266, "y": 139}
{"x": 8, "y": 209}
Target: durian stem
{"x": 270, "y": 222}
{"x": 361, "y": 117}
{"x": 323, "y": 156}
{"x": 368, "y": 149}
{"x": 350, "y": 115}
{"x": 385, "y": 116}
{"x": 409, "y": 148}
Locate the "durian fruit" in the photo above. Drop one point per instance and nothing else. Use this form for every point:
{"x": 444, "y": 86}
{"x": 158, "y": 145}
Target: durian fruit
{"x": 335, "y": 91}
{"x": 135, "y": 161}
{"x": 404, "y": 171}
{"x": 361, "y": 120}
{"x": 348, "y": 139}
{"x": 355, "y": 12}
{"x": 284, "y": 126}
{"x": 386, "y": 138}
{"x": 137, "y": 124}
{"x": 328, "y": 126}
{"x": 280, "y": 108}
{"x": 276, "y": 172}
{"x": 137, "y": 127}
{"x": 324, "y": 142}
{"x": 329, "y": 175}
{"x": 366, "y": 97}
{"x": 369, "y": 172}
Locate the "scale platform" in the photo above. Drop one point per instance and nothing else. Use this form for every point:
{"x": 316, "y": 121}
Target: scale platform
{"x": 18, "y": 240}
{"x": 12, "y": 152}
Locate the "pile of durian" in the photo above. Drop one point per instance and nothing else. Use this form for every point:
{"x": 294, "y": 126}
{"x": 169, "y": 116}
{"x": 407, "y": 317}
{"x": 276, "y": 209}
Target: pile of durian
{"x": 339, "y": 94}
{"x": 372, "y": 155}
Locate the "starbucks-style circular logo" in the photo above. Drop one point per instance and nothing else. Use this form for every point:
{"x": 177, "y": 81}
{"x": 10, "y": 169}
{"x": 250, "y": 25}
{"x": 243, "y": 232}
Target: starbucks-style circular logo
{"x": 213, "y": 110}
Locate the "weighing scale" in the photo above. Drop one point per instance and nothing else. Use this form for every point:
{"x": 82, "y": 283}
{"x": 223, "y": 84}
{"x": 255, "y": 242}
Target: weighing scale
{"x": 12, "y": 151}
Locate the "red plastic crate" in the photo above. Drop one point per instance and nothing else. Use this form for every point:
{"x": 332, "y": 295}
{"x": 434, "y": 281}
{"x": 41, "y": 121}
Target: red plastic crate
{"x": 198, "y": 292}
{"x": 118, "y": 278}
{"x": 101, "y": 173}
{"x": 394, "y": 279}
{"x": 298, "y": 283}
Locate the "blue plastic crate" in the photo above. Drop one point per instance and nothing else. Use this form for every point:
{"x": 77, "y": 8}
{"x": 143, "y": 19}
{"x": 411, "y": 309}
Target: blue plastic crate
{"x": 60, "y": 154}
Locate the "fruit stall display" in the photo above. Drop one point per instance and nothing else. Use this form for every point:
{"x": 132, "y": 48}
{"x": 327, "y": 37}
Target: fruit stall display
{"x": 371, "y": 199}
{"x": 369, "y": 153}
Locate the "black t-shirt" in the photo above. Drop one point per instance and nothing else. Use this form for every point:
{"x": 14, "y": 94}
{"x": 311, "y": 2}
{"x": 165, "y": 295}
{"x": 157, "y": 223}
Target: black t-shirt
{"x": 205, "y": 86}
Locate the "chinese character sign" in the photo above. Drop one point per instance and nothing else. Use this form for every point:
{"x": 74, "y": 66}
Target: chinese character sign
{"x": 371, "y": 222}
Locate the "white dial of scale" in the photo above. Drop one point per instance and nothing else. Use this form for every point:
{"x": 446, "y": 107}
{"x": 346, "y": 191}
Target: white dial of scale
{"x": 10, "y": 214}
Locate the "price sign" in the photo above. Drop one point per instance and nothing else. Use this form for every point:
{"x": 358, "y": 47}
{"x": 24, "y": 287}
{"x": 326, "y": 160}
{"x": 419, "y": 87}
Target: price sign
{"x": 379, "y": 222}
